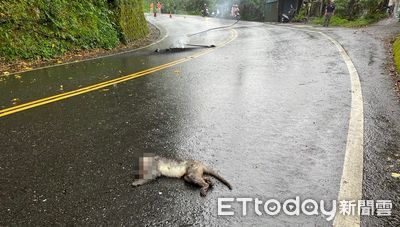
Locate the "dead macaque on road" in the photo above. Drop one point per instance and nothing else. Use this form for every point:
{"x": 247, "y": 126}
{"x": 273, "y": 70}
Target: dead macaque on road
{"x": 152, "y": 167}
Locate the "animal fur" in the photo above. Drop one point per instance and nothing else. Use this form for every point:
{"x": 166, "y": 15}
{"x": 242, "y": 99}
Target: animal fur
{"x": 152, "y": 167}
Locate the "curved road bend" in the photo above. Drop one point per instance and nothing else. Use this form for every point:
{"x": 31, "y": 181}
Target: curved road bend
{"x": 269, "y": 108}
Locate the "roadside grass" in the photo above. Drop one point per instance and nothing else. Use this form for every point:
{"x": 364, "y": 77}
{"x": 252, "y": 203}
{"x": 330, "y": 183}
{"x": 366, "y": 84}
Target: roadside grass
{"x": 342, "y": 22}
{"x": 396, "y": 53}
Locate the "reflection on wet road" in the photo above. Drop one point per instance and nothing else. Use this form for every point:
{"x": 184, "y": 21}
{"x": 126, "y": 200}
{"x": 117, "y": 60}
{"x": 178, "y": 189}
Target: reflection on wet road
{"x": 103, "y": 85}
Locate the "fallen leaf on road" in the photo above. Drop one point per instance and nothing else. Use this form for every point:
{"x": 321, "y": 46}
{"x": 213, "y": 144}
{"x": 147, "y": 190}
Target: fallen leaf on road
{"x": 15, "y": 101}
{"x": 177, "y": 72}
{"x": 61, "y": 87}
{"x": 17, "y": 76}
{"x": 396, "y": 175}
{"x": 105, "y": 89}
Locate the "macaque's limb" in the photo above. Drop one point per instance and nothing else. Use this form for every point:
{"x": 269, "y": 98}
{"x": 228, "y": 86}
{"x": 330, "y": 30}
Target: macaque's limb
{"x": 208, "y": 181}
{"x": 140, "y": 182}
{"x": 187, "y": 179}
{"x": 198, "y": 180}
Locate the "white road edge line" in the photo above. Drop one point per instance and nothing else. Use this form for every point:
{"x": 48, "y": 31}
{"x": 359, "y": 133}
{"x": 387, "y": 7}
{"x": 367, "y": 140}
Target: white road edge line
{"x": 352, "y": 176}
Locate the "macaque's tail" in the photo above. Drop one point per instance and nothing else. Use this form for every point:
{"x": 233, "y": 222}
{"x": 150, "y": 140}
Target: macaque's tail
{"x": 211, "y": 172}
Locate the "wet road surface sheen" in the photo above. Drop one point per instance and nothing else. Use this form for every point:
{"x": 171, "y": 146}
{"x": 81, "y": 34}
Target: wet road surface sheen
{"x": 269, "y": 111}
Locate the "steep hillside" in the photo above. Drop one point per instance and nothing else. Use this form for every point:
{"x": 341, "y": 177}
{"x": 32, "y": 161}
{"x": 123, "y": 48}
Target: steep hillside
{"x": 42, "y": 29}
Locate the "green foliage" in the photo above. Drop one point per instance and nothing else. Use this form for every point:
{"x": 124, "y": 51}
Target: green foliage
{"x": 396, "y": 53}
{"x": 360, "y": 22}
{"x": 356, "y": 13}
{"x": 180, "y": 6}
{"x": 373, "y": 6}
{"x": 355, "y": 9}
{"x": 249, "y": 9}
{"x": 129, "y": 20}
{"x": 252, "y": 9}
{"x": 341, "y": 7}
{"x": 46, "y": 28}
{"x": 360, "y": 11}
{"x": 301, "y": 15}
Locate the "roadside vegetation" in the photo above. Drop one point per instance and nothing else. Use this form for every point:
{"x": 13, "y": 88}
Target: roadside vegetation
{"x": 359, "y": 22}
{"x": 396, "y": 53}
{"x": 349, "y": 13}
{"x": 356, "y": 13}
{"x": 252, "y": 10}
{"x": 42, "y": 29}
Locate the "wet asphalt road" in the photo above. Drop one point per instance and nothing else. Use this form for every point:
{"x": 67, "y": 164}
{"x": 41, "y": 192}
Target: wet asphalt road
{"x": 269, "y": 111}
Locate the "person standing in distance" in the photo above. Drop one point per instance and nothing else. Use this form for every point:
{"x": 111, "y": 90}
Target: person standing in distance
{"x": 329, "y": 12}
{"x": 151, "y": 7}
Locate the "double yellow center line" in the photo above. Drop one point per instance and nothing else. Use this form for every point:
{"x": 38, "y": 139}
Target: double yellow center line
{"x": 55, "y": 98}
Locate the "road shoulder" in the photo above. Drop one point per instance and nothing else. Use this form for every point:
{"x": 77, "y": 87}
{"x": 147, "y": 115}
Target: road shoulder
{"x": 366, "y": 46}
